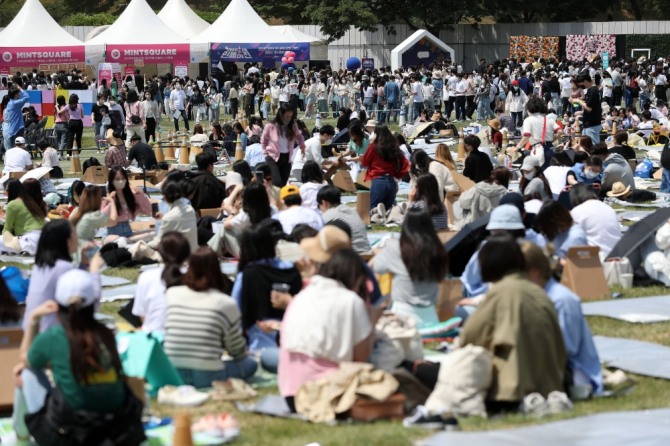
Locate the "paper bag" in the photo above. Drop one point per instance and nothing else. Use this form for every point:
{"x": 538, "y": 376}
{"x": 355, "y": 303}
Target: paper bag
{"x": 342, "y": 180}
{"x": 363, "y": 205}
{"x": 583, "y": 273}
{"x": 450, "y": 292}
{"x": 96, "y": 175}
{"x": 10, "y": 355}
{"x": 658, "y": 174}
{"x": 142, "y": 356}
{"x": 464, "y": 183}
{"x": 16, "y": 175}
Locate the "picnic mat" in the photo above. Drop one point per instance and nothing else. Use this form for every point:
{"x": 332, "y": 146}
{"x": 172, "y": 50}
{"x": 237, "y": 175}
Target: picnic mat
{"x": 643, "y": 427}
{"x": 641, "y": 310}
{"x": 118, "y": 293}
{"x": 24, "y": 260}
{"x": 273, "y": 405}
{"x": 639, "y": 357}
{"x": 634, "y": 215}
{"x": 110, "y": 281}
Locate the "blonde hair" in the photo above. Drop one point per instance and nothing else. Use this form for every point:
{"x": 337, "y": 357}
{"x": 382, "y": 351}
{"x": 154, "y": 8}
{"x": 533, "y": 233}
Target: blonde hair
{"x": 443, "y": 155}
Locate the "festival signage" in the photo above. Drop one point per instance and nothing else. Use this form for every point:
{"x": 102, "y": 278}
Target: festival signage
{"x": 34, "y": 56}
{"x": 256, "y": 52}
{"x": 368, "y": 64}
{"x": 149, "y": 53}
{"x": 181, "y": 71}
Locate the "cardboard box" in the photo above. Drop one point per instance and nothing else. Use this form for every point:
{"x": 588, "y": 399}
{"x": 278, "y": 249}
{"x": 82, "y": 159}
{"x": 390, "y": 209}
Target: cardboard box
{"x": 214, "y": 212}
{"x": 583, "y": 273}
{"x": 96, "y": 175}
{"x": 10, "y": 345}
{"x": 342, "y": 180}
{"x": 464, "y": 183}
{"x": 449, "y": 294}
{"x": 658, "y": 174}
{"x": 363, "y": 205}
{"x": 16, "y": 175}
{"x": 361, "y": 181}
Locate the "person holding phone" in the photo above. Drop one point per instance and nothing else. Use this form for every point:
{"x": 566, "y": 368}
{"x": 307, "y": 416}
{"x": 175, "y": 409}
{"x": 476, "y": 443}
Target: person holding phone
{"x": 88, "y": 217}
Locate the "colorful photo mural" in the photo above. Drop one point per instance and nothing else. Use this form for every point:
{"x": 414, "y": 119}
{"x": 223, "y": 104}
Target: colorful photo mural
{"x": 532, "y": 47}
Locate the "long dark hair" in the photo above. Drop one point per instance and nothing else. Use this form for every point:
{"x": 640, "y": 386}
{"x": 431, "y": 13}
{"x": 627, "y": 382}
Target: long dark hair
{"x": 53, "y": 243}
{"x": 32, "y": 198}
{"x": 204, "y": 272}
{"x": 73, "y": 101}
{"x": 421, "y": 251}
{"x": 420, "y": 162}
{"x": 346, "y": 267}
{"x": 174, "y": 249}
{"x": 427, "y": 190}
{"x": 89, "y": 201}
{"x": 523, "y": 182}
{"x": 387, "y": 146}
{"x": 60, "y": 100}
{"x": 92, "y": 344}
{"x": 14, "y": 188}
{"x": 9, "y": 307}
{"x": 553, "y": 219}
{"x": 287, "y": 130}
{"x": 255, "y": 203}
{"x": 132, "y": 97}
{"x": 127, "y": 193}
{"x": 257, "y": 243}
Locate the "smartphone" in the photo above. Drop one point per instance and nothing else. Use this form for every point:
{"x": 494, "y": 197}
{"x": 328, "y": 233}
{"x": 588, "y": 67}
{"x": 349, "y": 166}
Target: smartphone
{"x": 260, "y": 176}
{"x": 154, "y": 209}
{"x": 281, "y": 287}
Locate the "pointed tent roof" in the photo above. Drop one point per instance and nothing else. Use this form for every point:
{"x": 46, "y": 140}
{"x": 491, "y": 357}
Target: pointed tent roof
{"x": 295, "y": 34}
{"x": 181, "y": 18}
{"x": 21, "y": 32}
{"x": 397, "y": 52}
{"x": 138, "y": 24}
{"x": 239, "y": 23}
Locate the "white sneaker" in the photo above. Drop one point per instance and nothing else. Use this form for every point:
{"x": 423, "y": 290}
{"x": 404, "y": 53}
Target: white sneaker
{"x": 558, "y": 402}
{"x": 181, "y": 396}
{"x": 535, "y": 405}
{"x": 381, "y": 211}
{"x": 395, "y": 215}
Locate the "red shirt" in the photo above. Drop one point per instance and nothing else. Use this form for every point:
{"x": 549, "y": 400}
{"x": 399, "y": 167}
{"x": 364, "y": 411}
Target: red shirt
{"x": 378, "y": 167}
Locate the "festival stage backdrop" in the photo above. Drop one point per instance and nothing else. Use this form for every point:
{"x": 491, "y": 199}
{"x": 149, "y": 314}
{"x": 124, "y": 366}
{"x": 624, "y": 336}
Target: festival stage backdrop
{"x": 533, "y": 47}
{"x": 44, "y": 102}
{"x": 580, "y": 47}
{"x": 256, "y": 52}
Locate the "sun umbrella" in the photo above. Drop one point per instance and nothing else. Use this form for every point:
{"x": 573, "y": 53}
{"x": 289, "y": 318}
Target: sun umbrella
{"x": 464, "y": 244}
{"x": 639, "y": 239}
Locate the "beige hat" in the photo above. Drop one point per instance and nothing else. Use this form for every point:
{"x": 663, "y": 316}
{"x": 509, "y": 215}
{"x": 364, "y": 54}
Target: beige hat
{"x": 109, "y": 137}
{"x": 495, "y": 123}
{"x": 618, "y": 190}
{"x": 371, "y": 123}
{"x": 327, "y": 242}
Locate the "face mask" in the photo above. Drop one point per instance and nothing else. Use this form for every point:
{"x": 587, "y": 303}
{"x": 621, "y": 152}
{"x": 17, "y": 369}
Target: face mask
{"x": 528, "y": 175}
{"x": 516, "y": 88}
{"x": 328, "y": 142}
{"x": 119, "y": 184}
{"x": 589, "y": 174}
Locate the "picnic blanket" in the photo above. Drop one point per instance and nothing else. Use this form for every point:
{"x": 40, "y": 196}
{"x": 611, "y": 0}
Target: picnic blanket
{"x": 642, "y": 358}
{"x": 642, "y": 310}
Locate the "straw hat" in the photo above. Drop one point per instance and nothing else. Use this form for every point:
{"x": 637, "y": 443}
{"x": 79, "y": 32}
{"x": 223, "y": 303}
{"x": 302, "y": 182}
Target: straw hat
{"x": 371, "y": 124}
{"x": 329, "y": 240}
{"x": 109, "y": 137}
{"x": 618, "y": 190}
{"x": 495, "y": 123}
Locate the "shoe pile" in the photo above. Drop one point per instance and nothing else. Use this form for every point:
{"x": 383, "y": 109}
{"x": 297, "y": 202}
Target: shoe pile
{"x": 232, "y": 389}
{"x": 181, "y": 396}
{"x": 396, "y": 215}
{"x": 537, "y": 406}
{"x": 423, "y": 419}
{"x": 223, "y": 427}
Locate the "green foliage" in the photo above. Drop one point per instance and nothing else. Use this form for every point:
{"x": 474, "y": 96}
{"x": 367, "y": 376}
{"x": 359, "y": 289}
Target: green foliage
{"x": 83, "y": 19}
{"x": 208, "y": 16}
{"x": 659, "y": 44}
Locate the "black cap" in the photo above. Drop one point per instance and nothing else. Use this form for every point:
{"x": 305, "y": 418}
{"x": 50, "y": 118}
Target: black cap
{"x": 136, "y": 137}
{"x": 514, "y": 199}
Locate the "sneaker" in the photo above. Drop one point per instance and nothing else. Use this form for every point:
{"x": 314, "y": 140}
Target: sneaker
{"x": 375, "y": 219}
{"x": 381, "y": 211}
{"x": 181, "y": 396}
{"x": 231, "y": 389}
{"x": 208, "y": 425}
{"x": 535, "y": 405}
{"x": 421, "y": 418}
{"x": 558, "y": 402}
{"x": 229, "y": 426}
{"x": 395, "y": 215}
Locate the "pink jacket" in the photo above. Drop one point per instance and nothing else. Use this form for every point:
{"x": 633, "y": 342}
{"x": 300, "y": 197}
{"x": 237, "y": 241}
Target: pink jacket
{"x": 270, "y": 141}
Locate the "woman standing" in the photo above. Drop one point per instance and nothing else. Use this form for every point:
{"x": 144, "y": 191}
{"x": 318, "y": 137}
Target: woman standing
{"x": 135, "y": 118}
{"x": 234, "y": 99}
{"x": 24, "y": 219}
{"x": 75, "y": 124}
{"x": 515, "y": 103}
{"x": 151, "y": 114}
{"x": 61, "y": 124}
{"x": 538, "y": 128}
{"x": 279, "y": 138}
{"x": 214, "y": 104}
{"x": 129, "y": 202}
{"x": 199, "y": 105}
{"x": 386, "y": 165}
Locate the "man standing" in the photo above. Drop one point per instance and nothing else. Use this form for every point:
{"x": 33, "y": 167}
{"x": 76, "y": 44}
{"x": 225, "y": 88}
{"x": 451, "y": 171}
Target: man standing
{"x": 449, "y": 107}
{"x": 96, "y": 119}
{"x": 617, "y": 81}
{"x": 178, "y": 106}
{"x": 417, "y": 98}
{"x": 591, "y": 119}
{"x": 392, "y": 93}
{"x": 13, "y": 117}
{"x": 461, "y": 88}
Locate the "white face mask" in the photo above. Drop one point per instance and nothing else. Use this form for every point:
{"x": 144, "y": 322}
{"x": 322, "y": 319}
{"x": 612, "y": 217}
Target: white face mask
{"x": 328, "y": 142}
{"x": 589, "y": 174}
{"x": 119, "y": 184}
{"x": 529, "y": 175}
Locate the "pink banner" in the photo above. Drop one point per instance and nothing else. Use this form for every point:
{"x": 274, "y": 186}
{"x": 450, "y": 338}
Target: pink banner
{"x": 33, "y": 56}
{"x": 148, "y": 53}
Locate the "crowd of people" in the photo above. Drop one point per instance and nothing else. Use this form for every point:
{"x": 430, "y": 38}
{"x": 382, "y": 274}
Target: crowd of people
{"x": 306, "y": 296}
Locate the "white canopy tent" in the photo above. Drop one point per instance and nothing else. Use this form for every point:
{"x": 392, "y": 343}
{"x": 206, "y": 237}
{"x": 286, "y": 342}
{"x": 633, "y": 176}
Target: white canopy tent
{"x": 239, "y": 23}
{"x": 34, "y": 27}
{"x": 296, "y": 34}
{"x": 138, "y": 24}
{"x": 181, "y": 18}
{"x": 407, "y": 44}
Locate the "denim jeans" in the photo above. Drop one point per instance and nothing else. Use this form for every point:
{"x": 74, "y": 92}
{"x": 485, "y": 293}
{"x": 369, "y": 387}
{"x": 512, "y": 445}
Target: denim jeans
{"x": 484, "y": 109}
{"x": 417, "y": 108}
{"x": 96, "y": 132}
{"x": 392, "y": 111}
{"x": 593, "y": 133}
{"x": 665, "y": 181}
{"x": 383, "y": 190}
{"x": 517, "y": 119}
{"x": 122, "y": 229}
{"x": 270, "y": 359}
{"x": 242, "y": 368}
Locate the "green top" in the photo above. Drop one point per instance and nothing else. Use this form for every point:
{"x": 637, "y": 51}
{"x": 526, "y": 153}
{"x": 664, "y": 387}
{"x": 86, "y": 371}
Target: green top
{"x": 19, "y": 220}
{"x": 89, "y": 223}
{"x": 105, "y": 391}
{"x": 359, "y": 150}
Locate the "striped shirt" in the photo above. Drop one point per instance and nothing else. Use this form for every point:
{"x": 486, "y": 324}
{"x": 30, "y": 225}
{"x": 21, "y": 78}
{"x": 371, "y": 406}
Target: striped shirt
{"x": 440, "y": 221}
{"x": 199, "y": 327}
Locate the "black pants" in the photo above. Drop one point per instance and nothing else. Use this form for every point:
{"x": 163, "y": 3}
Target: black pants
{"x": 151, "y": 129}
{"x": 176, "y": 120}
{"x": 75, "y": 128}
{"x": 449, "y": 107}
{"x": 281, "y": 169}
{"x": 234, "y": 104}
{"x": 470, "y": 106}
{"x": 249, "y": 105}
{"x": 460, "y": 108}
{"x": 660, "y": 93}
{"x": 617, "y": 94}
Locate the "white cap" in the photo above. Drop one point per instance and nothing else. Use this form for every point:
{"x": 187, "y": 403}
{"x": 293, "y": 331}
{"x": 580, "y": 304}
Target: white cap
{"x": 529, "y": 163}
{"x": 76, "y": 286}
{"x": 19, "y": 140}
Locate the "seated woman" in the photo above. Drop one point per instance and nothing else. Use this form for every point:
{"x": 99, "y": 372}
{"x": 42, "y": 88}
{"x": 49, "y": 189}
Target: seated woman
{"x": 481, "y": 199}
{"x": 241, "y": 136}
{"x": 203, "y": 322}
{"x": 261, "y": 272}
{"x": 115, "y": 155}
{"x": 24, "y": 218}
{"x": 556, "y": 224}
{"x": 83, "y": 357}
{"x": 423, "y": 195}
{"x": 88, "y": 217}
{"x": 589, "y": 172}
{"x": 312, "y": 182}
{"x": 198, "y": 138}
{"x": 518, "y": 325}
{"x": 130, "y": 202}
{"x": 533, "y": 184}
{"x": 327, "y": 323}
{"x": 478, "y": 164}
{"x": 421, "y": 164}
{"x": 418, "y": 262}
{"x": 150, "y": 303}
{"x": 179, "y": 218}
{"x": 255, "y": 127}
{"x": 598, "y": 220}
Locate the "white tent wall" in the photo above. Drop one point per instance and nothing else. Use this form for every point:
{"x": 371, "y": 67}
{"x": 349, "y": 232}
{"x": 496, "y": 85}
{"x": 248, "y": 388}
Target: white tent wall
{"x": 181, "y": 18}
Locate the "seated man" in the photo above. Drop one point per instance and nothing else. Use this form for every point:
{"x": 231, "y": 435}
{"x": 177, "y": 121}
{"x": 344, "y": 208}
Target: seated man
{"x": 209, "y": 190}
{"x": 621, "y": 146}
{"x": 294, "y": 213}
{"x": 143, "y": 153}
{"x": 616, "y": 169}
{"x": 254, "y": 153}
{"x": 583, "y": 358}
{"x": 331, "y": 207}
{"x": 17, "y": 159}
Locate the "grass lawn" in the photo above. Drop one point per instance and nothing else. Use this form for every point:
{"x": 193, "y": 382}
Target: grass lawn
{"x": 261, "y": 430}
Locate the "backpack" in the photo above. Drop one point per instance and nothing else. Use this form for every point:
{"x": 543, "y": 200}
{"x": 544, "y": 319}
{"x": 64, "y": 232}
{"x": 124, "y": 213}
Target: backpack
{"x": 16, "y": 282}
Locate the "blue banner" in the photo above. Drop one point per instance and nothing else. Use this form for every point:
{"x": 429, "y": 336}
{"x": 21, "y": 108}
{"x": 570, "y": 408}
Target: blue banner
{"x": 256, "y": 52}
